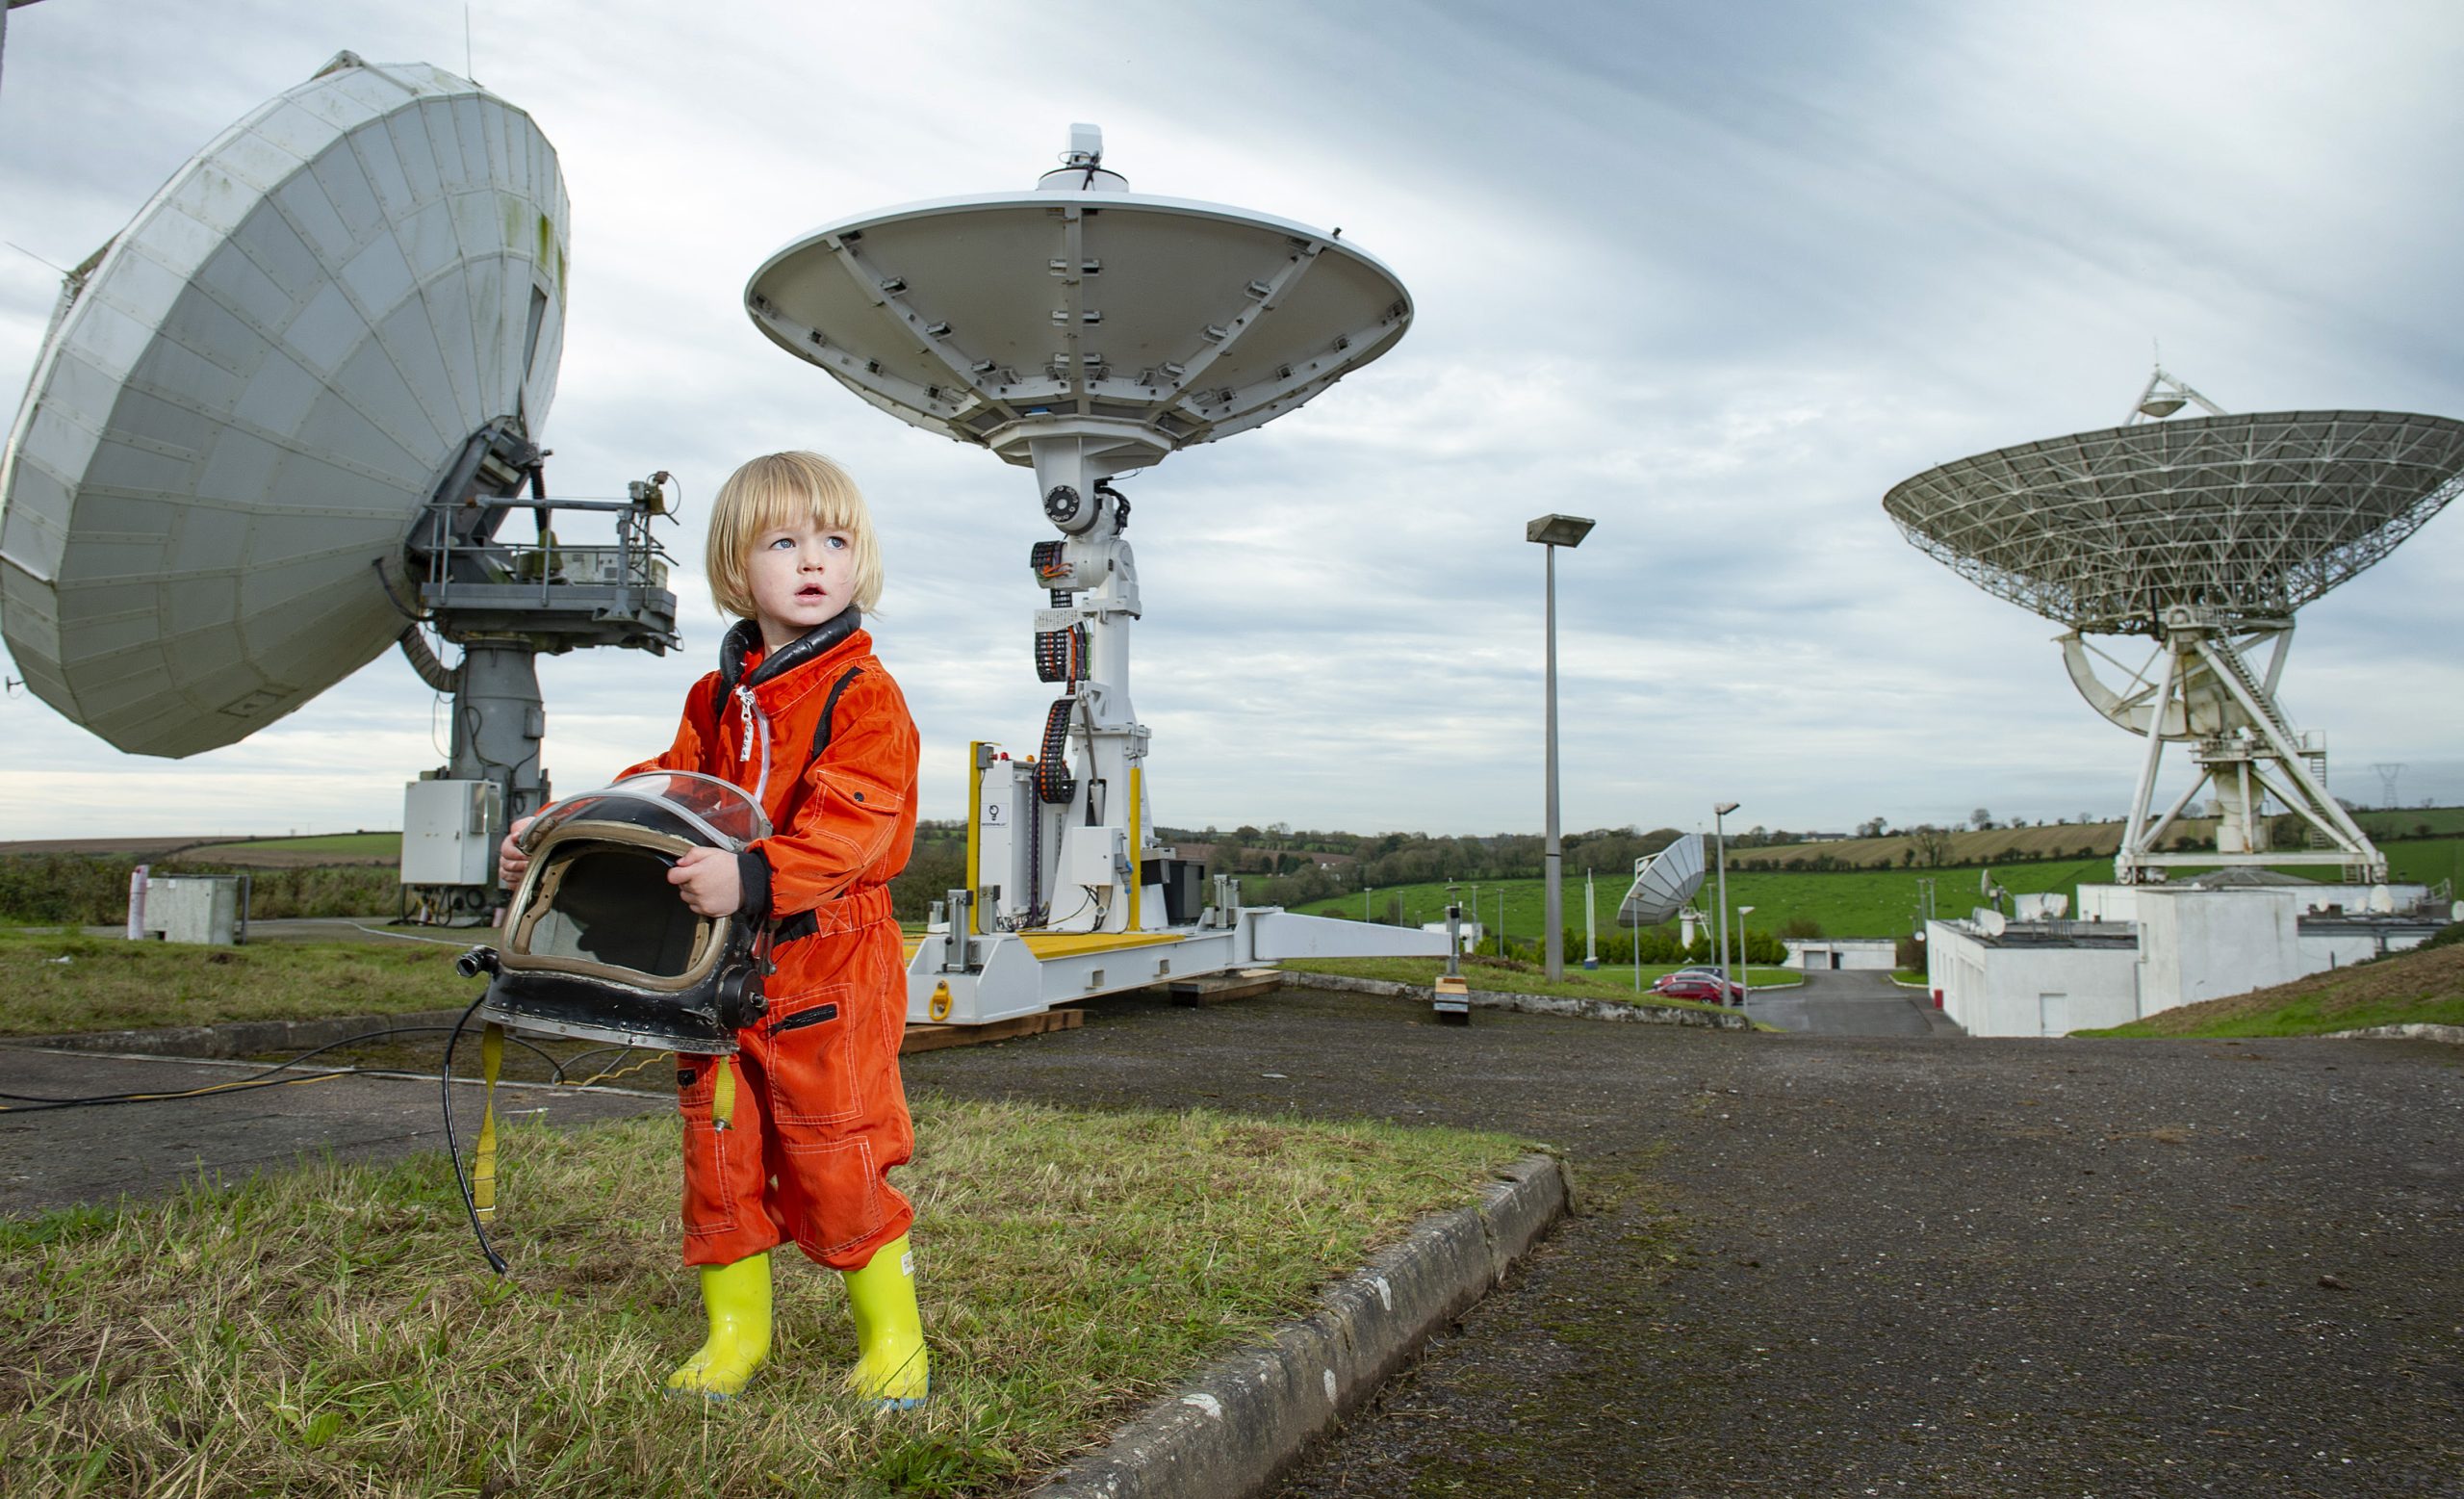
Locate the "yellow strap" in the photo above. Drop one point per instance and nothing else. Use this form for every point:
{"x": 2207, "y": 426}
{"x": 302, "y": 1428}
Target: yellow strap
{"x": 723, "y": 1096}
{"x": 484, "y": 1169}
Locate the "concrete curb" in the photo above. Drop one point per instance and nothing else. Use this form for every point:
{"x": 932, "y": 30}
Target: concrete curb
{"x": 234, "y": 1038}
{"x": 1534, "y": 1004}
{"x": 1235, "y": 1428}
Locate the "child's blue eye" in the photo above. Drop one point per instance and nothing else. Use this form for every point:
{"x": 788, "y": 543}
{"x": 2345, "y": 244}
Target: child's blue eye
{"x": 835, "y": 543}
{"x": 787, "y": 542}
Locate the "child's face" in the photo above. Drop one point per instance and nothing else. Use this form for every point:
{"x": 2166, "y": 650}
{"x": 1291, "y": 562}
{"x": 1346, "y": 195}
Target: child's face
{"x": 801, "y": 575}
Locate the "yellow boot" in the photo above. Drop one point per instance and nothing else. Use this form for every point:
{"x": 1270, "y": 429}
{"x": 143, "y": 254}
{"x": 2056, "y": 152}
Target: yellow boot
{"x": 893, "y": 1370}
{"x": 738, "y": 1298}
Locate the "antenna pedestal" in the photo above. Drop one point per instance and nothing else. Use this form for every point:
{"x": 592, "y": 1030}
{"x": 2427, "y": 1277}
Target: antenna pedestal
{"x": 1086, "y": 861}
{"x": 2206, "y": 693}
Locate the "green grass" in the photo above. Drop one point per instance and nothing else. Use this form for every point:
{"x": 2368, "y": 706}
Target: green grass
{"x": 1843, "y": 903}
{"x": 376, "y": 847}
{"x": 2311, "y": 1016}
{"x": 110, "y": 983}
{"x": 1859, "y": 903}
{"x": 331, "y": 1329}
{"x": 2425, "y": 985}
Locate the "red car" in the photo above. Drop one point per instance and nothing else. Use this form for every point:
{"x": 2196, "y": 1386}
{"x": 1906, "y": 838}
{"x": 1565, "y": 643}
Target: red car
{"x": 1695, "y": 987}
{"x": 1736, "y": 989}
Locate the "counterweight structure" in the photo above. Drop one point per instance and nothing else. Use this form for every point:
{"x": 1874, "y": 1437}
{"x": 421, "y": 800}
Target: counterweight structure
{"x": 1083, "y": 332}
{"x": 2204, "y": 535}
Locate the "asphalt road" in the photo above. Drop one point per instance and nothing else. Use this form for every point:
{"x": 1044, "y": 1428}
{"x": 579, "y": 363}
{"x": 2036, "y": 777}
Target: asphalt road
{"x": 1805, "y": 1264}
{"x": 1849, "y": 1003}
{"x": 1880, "y": 1265}
{"x": 58, "y": 1157}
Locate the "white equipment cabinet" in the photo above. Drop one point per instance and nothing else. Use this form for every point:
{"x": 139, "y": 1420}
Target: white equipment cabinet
{"x": 195, "y": 908}
{"x": 451, "y": 829}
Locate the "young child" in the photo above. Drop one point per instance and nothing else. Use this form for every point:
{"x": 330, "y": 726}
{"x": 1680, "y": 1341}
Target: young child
{"x": 798, "y": 1142}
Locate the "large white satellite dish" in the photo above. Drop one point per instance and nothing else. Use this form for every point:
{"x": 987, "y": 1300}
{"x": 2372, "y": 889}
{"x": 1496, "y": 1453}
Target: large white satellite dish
{"x": 1663, "y": 883}
{"x": 2204, "y": 533}
{"x": 249, "y": 393}
{"x": 275, "y": 426}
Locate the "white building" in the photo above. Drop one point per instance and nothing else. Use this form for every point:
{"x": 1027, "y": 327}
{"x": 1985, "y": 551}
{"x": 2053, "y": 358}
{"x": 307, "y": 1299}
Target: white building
{"x": 2142, "y": 948}
{"x": 1824, "y": 953}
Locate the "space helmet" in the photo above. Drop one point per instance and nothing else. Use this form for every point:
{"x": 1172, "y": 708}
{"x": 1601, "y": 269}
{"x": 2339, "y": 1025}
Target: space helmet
{"x": 599, "y": 945}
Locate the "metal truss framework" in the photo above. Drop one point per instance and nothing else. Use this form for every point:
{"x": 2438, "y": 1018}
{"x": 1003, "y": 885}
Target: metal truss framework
{"x": 2205, "y": 691}
{"x": 2248, "y": 517}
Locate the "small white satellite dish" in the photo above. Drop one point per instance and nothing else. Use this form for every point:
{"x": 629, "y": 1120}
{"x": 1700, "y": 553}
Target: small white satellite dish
{"x": 1663, "y": 882}
{"x": 248, "y": 395}
{"x": 1990, "y": 921}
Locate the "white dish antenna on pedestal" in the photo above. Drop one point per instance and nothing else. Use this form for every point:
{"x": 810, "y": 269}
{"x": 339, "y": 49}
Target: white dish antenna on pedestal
{"x": 276, "y": 426}
{"x": 252, "y": 391}
{"x": 1663, "y": 883}
{"x": 1083, "y": 331}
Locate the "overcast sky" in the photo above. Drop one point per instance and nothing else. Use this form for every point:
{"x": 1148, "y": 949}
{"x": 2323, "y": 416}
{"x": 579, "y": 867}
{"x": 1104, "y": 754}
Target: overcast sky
{"x": 1716, "y": 275}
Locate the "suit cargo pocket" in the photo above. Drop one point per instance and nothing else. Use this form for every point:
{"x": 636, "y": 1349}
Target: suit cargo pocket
{"x": 812, "y": 1071}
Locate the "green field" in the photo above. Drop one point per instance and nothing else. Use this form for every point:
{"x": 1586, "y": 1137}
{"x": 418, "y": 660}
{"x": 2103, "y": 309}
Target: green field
{"x": 1844, "y": 904}
{"x": 2392, "y": 829}
{"x": 374, "y": 847}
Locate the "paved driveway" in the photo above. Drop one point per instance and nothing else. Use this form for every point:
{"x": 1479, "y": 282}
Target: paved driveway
{"x": 57, "y": 1158}
{"x": 1882, "y": 1265}
{"x": 1849, "y": 1003}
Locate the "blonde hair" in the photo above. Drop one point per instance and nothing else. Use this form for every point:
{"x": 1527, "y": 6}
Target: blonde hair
{"x": 784, "y": 489}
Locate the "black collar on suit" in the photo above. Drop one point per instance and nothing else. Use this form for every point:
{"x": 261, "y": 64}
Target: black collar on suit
{"x": 815, "y": 642}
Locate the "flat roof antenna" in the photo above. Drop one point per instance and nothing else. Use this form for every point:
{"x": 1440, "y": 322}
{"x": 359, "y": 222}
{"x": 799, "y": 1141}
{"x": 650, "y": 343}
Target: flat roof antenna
{"x": 2203, "y": 535}
{"x": 276, "y": 426}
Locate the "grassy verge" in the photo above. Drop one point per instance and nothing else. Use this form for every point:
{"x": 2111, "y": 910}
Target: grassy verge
{"x": 1909, "y": 976}
{"x": 331, "y": 1329}
{"x": 1616, "y": 985}
{"x": 109, "y": 983}
{"x": 2424, "y": 987}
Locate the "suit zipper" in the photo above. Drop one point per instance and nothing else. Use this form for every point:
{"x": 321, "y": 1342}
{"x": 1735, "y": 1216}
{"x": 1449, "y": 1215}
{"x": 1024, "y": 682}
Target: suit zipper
{"x": 754, "y": 721}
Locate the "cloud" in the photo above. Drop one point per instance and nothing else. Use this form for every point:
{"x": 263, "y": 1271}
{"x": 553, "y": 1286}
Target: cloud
{"x": 1717, "y": 278}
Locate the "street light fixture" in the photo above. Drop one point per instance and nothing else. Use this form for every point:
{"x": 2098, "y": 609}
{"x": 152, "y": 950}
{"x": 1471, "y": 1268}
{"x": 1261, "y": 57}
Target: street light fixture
{"x": 1720, "y": 841}
{"x": 1553, "y": 532}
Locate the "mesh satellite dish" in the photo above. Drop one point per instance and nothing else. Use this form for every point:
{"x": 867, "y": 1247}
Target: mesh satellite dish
{"x": 1663, "y": 883}
{"x": 2204, "y": 533}
{"x": 272, "y": 431}
{"x": 1085, "y": 331}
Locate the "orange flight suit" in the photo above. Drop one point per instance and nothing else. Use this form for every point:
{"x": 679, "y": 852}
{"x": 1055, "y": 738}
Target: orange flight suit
{"x": 820, "y": 1115}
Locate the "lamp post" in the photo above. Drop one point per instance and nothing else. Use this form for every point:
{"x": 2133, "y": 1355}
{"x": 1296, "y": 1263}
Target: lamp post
{"x": 1553, "y": 532}
{"x": 1720, "y": 841}
{"x": 1742, "y": 961}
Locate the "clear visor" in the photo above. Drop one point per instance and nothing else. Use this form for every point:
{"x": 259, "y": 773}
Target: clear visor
{"x": 725, "y": 813}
